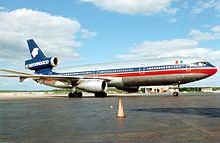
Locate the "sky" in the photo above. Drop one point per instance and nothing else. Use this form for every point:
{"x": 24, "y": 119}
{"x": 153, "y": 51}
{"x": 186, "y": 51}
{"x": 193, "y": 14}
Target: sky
{"x": 96, "y": 31}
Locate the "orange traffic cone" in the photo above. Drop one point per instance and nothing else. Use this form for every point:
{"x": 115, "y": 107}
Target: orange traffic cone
{"x": 121, "y": 113}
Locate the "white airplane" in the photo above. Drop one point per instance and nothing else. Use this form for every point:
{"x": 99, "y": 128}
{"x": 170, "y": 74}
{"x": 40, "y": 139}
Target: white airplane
{"x": 127, "y": 76}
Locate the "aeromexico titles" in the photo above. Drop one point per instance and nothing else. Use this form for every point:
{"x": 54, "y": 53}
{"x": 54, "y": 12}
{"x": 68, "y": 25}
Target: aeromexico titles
{"x": 127, "y": 76}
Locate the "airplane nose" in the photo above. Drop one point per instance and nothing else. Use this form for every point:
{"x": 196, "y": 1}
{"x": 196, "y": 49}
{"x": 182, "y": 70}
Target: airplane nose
{"x": 213, "y": 71}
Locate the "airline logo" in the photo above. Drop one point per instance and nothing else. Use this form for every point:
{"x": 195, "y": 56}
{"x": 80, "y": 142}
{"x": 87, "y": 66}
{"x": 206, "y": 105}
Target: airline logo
{"x": 32, "y": 65}
{"x": 34, "y": 52}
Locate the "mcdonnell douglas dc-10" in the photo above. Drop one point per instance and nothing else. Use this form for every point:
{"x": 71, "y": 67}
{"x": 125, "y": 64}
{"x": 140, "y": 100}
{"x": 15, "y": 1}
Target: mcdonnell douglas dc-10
{"x": 127, "y": 76}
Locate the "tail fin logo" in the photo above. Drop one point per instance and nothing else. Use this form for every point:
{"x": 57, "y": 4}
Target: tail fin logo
{"x": 34, "y": 53}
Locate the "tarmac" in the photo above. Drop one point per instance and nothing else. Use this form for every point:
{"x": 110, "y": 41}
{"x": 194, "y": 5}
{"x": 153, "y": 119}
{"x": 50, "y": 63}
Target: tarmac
{"x": 26, "y": 117}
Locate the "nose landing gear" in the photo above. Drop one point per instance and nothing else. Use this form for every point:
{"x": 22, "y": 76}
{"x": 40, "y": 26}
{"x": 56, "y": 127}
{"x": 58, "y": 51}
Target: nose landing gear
{"x": 175, "y": 93}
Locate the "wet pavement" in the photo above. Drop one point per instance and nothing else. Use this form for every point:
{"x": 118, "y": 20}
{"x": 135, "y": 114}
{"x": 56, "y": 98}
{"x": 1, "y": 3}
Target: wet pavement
{"x": 149, "y": 119}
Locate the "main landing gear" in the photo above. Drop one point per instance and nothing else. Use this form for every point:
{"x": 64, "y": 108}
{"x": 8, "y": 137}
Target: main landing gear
{"x": 75, "y": 94}
{"x": 100, "y": 94}
{"x": 79, "y": 94}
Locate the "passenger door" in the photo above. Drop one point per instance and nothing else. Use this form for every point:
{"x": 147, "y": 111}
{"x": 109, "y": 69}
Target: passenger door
{"x": 142, "y": 69}
{"x": 188, "y": 67}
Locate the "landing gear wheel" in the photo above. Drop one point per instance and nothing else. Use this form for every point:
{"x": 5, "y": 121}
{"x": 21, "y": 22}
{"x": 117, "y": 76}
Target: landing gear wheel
{"x": 71, "y": 95}
{"x": 175, "y": 93}
{"x": 100, "y": 94}
{"x": 79, "y": 94}
{"x": 75, "y": 95}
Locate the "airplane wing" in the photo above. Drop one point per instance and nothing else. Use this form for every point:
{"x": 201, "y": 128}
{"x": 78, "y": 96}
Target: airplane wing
{"x": 15, "y": 72}
{"x": 23, "y": 76}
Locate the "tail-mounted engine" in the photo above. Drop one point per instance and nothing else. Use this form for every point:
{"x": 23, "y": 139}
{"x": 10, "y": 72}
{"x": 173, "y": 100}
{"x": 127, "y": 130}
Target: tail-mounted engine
{"x": 34, "y": 64}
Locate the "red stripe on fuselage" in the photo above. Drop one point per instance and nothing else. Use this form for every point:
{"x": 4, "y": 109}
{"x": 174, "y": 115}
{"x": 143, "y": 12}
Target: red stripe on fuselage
{"x": 207, "y": 71}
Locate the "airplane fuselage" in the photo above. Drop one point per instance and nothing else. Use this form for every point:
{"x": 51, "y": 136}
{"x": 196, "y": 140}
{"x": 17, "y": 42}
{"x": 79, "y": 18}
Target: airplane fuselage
{"x": 164, "y": 71}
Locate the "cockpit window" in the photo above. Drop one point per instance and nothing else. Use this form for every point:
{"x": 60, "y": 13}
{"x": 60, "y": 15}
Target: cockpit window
{"x": 202, "y": 63}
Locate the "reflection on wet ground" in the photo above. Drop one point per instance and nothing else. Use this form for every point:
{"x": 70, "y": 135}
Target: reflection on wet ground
{"x": 149, "y": 119}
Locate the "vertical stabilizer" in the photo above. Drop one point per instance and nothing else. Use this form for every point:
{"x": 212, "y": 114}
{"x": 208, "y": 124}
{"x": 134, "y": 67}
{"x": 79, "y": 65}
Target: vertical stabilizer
{"x": 35, "y": 51}
{"x": 39, "y": 62}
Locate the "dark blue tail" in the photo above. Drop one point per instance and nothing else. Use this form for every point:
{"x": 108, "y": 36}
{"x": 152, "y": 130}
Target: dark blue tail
{"x": 35, "y": 51}
{"x": 39, "y": 62}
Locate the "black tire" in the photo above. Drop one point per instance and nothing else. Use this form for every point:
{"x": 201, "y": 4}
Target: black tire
{"x": 79, "y": 94}
{"x": 75, "y": 95}
{"x": 175, "y": 93}
{"x": 71, "y": 95}
{"x": 101, "y": 94}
